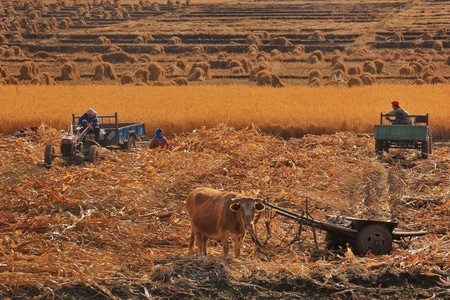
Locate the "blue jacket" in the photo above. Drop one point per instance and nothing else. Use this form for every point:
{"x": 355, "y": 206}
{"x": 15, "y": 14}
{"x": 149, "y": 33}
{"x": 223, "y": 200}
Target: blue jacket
{"x": 84, "y": 120}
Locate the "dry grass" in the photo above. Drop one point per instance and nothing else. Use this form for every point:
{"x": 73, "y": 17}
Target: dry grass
{"x": 181, "y": 109}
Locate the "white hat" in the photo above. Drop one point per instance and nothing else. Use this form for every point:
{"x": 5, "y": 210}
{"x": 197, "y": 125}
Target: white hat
{"x": 90, "y": 111}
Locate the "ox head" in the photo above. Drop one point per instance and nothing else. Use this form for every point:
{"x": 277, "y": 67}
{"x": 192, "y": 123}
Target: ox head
{"x": 246, "y": 208}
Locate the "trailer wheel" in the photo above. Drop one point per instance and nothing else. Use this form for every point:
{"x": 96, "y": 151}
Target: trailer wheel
{"x": 49, "y": 155}
{"x": 426, "y": 147}
{"x": 373, "y": 238}
{"x": 92, "y": 154}
{"x": 131, "y": 143}
{"x": 378, "y": 146}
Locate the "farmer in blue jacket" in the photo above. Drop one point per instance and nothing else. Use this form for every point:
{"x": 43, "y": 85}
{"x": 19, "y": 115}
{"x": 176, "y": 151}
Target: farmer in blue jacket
{"x": 90, "y": 117}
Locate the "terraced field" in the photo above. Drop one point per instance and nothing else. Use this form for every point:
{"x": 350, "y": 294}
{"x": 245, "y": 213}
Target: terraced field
{"x": 227, "y": 42}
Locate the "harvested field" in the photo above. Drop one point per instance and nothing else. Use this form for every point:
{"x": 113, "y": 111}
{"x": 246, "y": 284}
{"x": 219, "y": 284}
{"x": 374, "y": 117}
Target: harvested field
{"x": 361, "y": 31}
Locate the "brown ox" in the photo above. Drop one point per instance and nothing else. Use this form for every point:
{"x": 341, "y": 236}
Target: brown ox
{"x": 219, "y": 215}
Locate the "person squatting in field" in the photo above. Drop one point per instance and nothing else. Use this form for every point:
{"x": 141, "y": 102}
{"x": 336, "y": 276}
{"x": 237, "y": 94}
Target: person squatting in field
{"x": 90, "y": 117}
{"x": 159, "y": 140}
{"x": 400, "y": 114}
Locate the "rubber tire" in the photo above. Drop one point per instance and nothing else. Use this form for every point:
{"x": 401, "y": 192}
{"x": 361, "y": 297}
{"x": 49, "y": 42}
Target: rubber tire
{"x": 49, "y": 155}
{"x": 131, "y": 143}
{"x": 378, "y": 146}
{"x": 92, "y": 154}
{"x": 375, "y": 238}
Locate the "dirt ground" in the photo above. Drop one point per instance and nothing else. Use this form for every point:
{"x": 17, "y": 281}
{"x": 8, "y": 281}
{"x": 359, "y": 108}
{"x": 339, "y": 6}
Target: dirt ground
{"x": 118, "y": 228}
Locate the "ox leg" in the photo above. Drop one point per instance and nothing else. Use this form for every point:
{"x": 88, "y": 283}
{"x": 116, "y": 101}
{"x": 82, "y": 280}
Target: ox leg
{"x": 200, "y": 243}
{"x": 204, "y": 241}
{"x": 191, "y": 243}
{"x": 237, "y": 245}
{"x": 226, "y": 246}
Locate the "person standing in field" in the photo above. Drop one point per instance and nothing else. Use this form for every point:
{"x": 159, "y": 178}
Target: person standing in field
{"x": 159, "y": 140}
{"x": 90, "y": 117}
{"x": 401, "y": 115}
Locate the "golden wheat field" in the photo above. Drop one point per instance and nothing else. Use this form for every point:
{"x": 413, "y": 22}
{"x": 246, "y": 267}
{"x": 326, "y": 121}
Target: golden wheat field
{"x": 271, "y": 99}
{"x": 291, "y": 111}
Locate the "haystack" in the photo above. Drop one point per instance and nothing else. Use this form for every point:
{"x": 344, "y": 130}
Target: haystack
{"x": 103, "y": 40}
{"x": 157, "y": 72}
{"x": 380, "y": 66}
{"x": 398, "y": 37}
{"x": 367, "y": 78}
{"x": 263, "y": 56}
{"x": 253, "y": 39}
{"x": 406, "y": 70}
{"x": 174, "y": 70}
{"x": 298, "y": 50}
{"x": 142, "y": 75}
{"x": 267, "y": 78}
{"x": 237, "y": 71}
{"x": 281, "y": 41}
{"x": 127, "y": 78}
{"x": 317, "y": 35}
{"x": 183, "y": 64}
{"x": 338, "y": 76}
{"x": 314, "y": 74}
{"x": 340, "y": 66}
{"x": 204, "y": 66}
{"x": 196, "y": 74}
{"x": 354, "y": 81}
{"x": 264, "y": 66}
{"x": 197, "y": 50}
{"x": 438, "y": 80}
{"x": 43, "y": 79}
{"x": 43, "y": 55}
{"x": 222, "y": 55}
{"x": 246, "y": 64}
{"x": 369, "y": 67}
{"x": 28, "y": 70}
{"x": 118, "y": 57}
{"x": 156, "y": 49}
{"x": 4, "y": 72}
{"x": 175, "y": 41}
{"x": 69, "y": 71}
{"x": 104, "y": 71}
{"x": 3, "y": 39}
{"x": 180, "y": 80}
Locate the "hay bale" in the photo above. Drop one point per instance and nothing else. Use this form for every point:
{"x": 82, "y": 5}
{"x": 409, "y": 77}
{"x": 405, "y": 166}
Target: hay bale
{"x": 174, "y": 70}
{"x": 28, "y": 70}
{"x": 438, "y": 80}
{"x": 175, "y": 41}
{"x": 265, "y": 35}
{"x": 275, "y": 53}
{"x": 4, "y": 72}
{"x": 246, "y": 64}
{"x": 183, "y": 64}
{"x": 281, "y": 41}
{"x": 369, "y": 67}
{"x": 142, "y": 75}
{"x": 234, "y": 63}
{"x": 314, "y": 74}
{"x": 298, "y": 50}
{"x": 180, "y": 80}
{"x": 398, "y": 37}
{"x": 205, "y": 67}
{"x": 338, "y": 76}
{"x": 196, "y": 74}
{"x": 336, "y": 58}
{"x": 315, "y": 57}
{"x": 267, "y": 78}
{"x": 17, "y": 38}
{"x": 354, "y": 81}
{"x": 406, "y": 70}
{"x": 156, "y": 50}
{"x": 441, "y": 32}
{"x": 263, "y": 66}
{"x": 237, "y": 71}
{"x": 104, "y": 71}
{"x": 427, "y": 36}
{"x": 3, "y": 39}
{"x": 379, "y": 66}
{"x": 42, "y": 79}
{"x": 419, "y": 81}
{"x": 252, "y": 50}
{"x": 103, "y": 40}
{"x": 315, "y": 82}
{"x": 157, "y": 72}
{"x": 43, "y": 55}
{"x": 118, "y": 57}
{"x": 317, "y": 35}
{"x": 222, "y": 55}
{"x": 197, "y": 50}
{"x": 262, "y": 56}
{"x": 447, "y": 61}
{"x": 354, "y": 70}
{"x": 17, "y": 51}
{"x": 69, "y": 71}
{"x": 367, "y": 78}
{"x": 340, "y": 66}
{"x": 127, "y": 78}
{"x": 96, "y": 58}
{"x": 438, "y": 46}
{"x": 253, "y": 40}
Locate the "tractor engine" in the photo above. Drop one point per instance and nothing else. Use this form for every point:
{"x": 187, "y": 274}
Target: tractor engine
{"x": 67, "y": 145}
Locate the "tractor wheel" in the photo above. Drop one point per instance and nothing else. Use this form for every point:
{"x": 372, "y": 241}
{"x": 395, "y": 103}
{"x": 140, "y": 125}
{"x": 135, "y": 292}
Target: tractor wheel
{"x": 131, "y": 143}
{"x": 373, "y": 238}
{"x": 92, "y": 155}
{"x": 49, "y": 155}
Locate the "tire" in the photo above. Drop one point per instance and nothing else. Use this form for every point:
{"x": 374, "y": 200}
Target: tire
{"x": 131, "y": 143}
{"x": 373, "y": 238}
{"x": 378, "y": 146}
{"x": 92, "y": 155}
{"x": 426, "y": 147}
{"x": 49, "y": 155}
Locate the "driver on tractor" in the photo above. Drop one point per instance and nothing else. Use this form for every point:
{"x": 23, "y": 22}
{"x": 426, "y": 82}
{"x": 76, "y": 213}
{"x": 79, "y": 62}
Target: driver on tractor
{"x": 90, "y": 118}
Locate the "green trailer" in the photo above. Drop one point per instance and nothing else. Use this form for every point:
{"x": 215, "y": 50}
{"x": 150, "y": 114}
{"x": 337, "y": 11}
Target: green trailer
{"x": 416, "y": 136}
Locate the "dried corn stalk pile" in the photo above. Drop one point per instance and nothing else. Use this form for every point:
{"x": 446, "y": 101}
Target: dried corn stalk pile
{"x": 120, "y": 226}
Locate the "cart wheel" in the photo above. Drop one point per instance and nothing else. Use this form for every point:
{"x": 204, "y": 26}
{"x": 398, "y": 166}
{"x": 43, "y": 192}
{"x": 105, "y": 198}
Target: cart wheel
{"x": 92, "y": 154}
{"x": 49, "y": 155}
{"x": 426, "y": 147}
{"x": 131, "y": 143}
{"x": 375, "y": 238}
